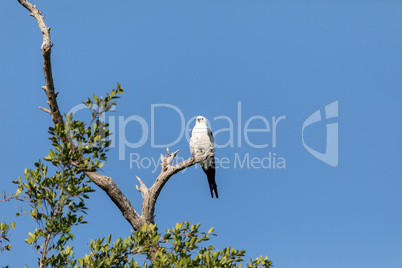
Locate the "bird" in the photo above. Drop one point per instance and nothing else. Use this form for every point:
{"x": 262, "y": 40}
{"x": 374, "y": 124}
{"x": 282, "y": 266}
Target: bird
{"x": 202, "y": 141}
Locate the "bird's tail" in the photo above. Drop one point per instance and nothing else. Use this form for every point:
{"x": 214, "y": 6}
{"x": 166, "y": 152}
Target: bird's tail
{"x": 213, "y": 188}
{"x": 210, "y": 172}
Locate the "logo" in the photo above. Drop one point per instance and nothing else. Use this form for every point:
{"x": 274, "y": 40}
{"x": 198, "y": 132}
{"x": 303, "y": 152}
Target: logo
{"x": 330, "y": 156}
{"x": 257, "y": 132}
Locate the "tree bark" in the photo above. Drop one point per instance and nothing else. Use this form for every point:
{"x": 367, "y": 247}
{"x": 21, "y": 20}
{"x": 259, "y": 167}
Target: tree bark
{"x": 150, "y": 195}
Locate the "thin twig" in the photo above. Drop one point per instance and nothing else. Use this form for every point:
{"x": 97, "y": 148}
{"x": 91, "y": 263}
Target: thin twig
{"x": 45, "y": 110}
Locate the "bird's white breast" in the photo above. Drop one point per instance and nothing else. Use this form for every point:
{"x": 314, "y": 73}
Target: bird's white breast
{"x": 200, "y": 141}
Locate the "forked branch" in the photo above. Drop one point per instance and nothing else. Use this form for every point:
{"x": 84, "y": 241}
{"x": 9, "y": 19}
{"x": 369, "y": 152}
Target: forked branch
{"x": 150, "y": 195}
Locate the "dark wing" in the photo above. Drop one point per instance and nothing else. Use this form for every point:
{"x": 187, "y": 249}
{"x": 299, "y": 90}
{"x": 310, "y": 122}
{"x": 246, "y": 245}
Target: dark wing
{"x": 210, "y": 172}
{"x": 211, "y": 136}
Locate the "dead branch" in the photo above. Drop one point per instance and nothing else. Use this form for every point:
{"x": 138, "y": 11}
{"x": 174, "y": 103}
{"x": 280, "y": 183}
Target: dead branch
{"x": 47, "y": 66}
{"x": 150, "y": 195}
{"x": 45, "y": 110}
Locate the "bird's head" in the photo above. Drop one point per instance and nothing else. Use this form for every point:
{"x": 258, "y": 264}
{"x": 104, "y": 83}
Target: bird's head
{"x": 201, "y": 121}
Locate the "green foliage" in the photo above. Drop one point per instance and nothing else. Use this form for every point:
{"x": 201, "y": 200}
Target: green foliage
{"x": 6, "y": 229}
{"x": 83, "y": 144}
{"x": 5, "y": 232}
{"x": 179, "y": 247}
{"x": 104, "y": 254}
{"x": 57, "y": 202}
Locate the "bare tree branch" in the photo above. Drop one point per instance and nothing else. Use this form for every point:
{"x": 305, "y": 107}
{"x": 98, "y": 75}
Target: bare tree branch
{"x": 44, "y": 251}
{"x": 45, "y": 110}
{"x": 47, "y": 66}
{"x": 113, "y": 191}
{"x": 151, "y": 195}
{"x": 106, "y": 183}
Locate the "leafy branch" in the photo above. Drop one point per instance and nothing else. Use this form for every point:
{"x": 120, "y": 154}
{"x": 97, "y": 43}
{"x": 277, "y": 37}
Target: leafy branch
{"x": 178, "y": 247}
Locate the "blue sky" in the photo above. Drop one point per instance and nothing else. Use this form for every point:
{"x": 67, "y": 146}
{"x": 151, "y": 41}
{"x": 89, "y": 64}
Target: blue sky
{"x": 275, "y": 58}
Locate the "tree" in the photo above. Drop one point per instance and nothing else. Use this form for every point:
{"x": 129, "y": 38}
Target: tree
{"x": 57, "y": 201}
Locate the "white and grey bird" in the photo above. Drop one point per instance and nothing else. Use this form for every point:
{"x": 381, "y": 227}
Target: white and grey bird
{"x": 202, "y": 141}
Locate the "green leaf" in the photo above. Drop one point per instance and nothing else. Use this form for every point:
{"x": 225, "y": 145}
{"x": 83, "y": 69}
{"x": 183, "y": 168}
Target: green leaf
{"x": 19, "y": 190}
